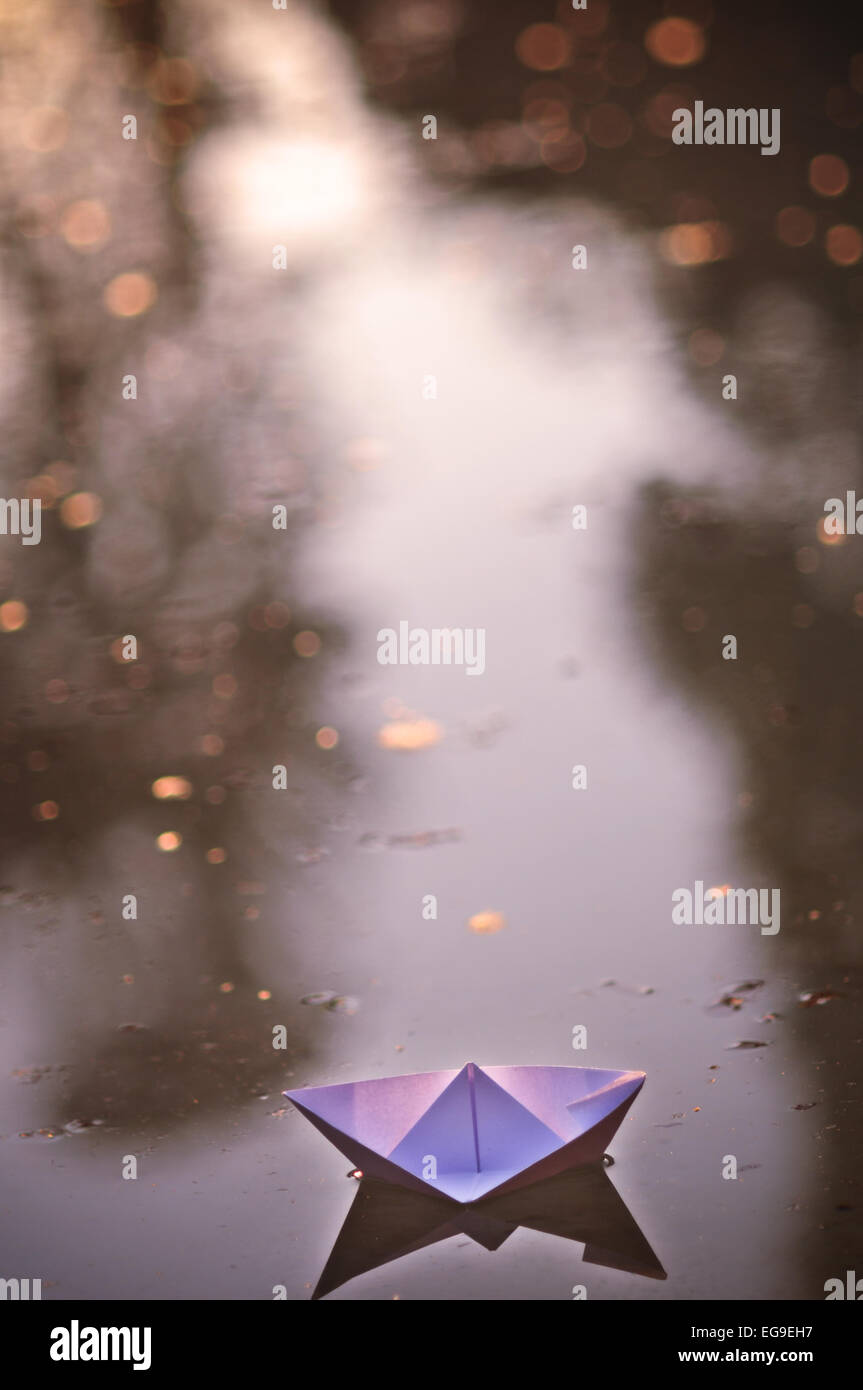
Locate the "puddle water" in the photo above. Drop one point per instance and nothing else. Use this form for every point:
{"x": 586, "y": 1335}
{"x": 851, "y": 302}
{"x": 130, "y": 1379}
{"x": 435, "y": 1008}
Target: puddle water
{"x": 427, "y": 887}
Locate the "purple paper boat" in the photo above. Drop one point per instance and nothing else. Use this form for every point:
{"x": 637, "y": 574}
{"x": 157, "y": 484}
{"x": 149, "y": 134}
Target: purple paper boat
{"x": 466, "y": 1134}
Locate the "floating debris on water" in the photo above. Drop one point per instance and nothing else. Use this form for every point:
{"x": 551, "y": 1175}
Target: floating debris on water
{"x": 627, "y": 989}
{"x": 818, "y": 996}
{"x": 336, "y": 1003}
{"x": 344, "y": 1004}
{"x": 732, "y": 997}
{"x": 423, "y": 838}
{"x": 420, "y": 839}
{"x": 28, "y": 1076}
{"x": 805, "y": 1105}
{"x": 746, "y": 1042}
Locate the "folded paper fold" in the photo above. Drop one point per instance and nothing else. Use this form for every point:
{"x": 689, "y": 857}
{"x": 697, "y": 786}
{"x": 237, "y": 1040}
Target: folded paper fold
{"x": 470, "y": 1133}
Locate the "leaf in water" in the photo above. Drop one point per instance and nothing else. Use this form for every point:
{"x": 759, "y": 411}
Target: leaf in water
{"x": 343, "y": 1004}
{"x": 424, "y": 838}
{"x": 805, "y": 1105}
{"x": 746, "y": 1042}
{"x": 323, "y": 996}
{"x": 819, "y": 996}
{"x": 731, "y": 998}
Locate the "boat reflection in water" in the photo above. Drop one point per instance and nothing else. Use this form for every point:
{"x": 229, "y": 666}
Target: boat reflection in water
{"x": 386, "y": 1222}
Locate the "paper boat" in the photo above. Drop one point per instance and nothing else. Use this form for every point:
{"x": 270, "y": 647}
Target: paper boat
{"x": 470, "y": 1133}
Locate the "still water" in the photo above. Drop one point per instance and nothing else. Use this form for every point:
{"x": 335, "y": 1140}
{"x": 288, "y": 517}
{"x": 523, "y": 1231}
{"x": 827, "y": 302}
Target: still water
{"x": 460, "y": 516}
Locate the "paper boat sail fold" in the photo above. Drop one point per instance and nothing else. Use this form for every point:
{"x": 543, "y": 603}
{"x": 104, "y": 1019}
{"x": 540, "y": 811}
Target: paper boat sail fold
{"x": 470, "y": 1133}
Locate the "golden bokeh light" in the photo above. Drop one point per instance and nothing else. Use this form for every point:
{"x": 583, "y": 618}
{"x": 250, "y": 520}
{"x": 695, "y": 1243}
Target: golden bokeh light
{"x": 828, "y": 175}
{"x": 795, "y": 226}
{"x": 543, "y": 115}
{"x": 80, "y": 509}
{"x": 129, "y": 294}
{"x": 307, "y": 644}
{"x": 485, "y": 923}
{"x": 327, "y": 737}
{"x": 277, "y": 615}
{"x": 832, "y": 538}
{"x": 172, "y": 81}
{"x": 217, "y": 855}
{"x": 44, "y": 129}
{"x": 85, "y": 225}
{"x": 43, "y": 486}
{"x": 46, "y": 810}
{"x": 676, "y": 42}
{"x": 168, "y": 841}
{"x": 406, "y": 735}
{"x": 695, "y": 243}
{"x": 543, "y": 47}
{"x": 171, "y": 789}
{"x": 564, "y": 155}
{"x": 13, "y": 615}
{"x": 844, "y": 245}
